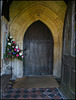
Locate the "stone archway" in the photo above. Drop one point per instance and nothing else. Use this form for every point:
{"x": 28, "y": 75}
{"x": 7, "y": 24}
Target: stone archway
{"x": 44, "y": 13}
{"x": 38, "y": 50}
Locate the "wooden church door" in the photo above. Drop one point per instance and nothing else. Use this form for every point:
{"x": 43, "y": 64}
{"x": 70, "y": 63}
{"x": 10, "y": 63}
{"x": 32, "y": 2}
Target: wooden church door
{"x": 68, "y": 56}
{"x": 38, "y": 50}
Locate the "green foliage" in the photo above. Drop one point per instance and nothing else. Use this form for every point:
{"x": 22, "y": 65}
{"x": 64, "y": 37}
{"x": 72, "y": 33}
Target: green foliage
{"x": 12, "y": 50}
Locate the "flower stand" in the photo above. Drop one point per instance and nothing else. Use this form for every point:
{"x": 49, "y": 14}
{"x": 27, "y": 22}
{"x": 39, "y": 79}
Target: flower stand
{"x": 17, "y": 68}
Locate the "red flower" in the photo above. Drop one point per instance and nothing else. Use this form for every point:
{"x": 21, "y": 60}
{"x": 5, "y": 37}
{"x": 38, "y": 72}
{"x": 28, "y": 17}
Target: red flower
{"x": 15, "y": 49}
{"x": 19, "y": 49}
{"x": 17, "y": 55}
{"x": 13, "y": 41}
{"x": 8, "y": 53}
{"x": 6, "y": 58}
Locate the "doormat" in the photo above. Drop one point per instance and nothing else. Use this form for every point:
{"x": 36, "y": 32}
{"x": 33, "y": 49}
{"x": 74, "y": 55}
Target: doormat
{"x": 36, "y": 82}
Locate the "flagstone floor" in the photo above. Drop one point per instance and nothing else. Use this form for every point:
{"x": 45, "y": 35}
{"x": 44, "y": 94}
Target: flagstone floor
{"x": 31, "y": 93}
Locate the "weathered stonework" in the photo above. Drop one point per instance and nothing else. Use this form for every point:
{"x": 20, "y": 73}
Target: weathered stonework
{"x": 17, "y": 68}
{"x": 5, "y": 66}
{"x": 51, "y": 13}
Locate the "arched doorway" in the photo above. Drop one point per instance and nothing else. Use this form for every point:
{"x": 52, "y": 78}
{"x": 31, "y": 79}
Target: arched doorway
{"x": 38, "y": 50}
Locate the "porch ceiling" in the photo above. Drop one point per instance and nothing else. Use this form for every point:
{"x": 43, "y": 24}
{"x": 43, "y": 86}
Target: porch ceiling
{"x": 7, "y": 3}
{"x": 17, "y": 7}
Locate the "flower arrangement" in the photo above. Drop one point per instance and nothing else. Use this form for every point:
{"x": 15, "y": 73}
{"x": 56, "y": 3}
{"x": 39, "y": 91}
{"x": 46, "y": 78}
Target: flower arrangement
{"x": 12, "y": 50}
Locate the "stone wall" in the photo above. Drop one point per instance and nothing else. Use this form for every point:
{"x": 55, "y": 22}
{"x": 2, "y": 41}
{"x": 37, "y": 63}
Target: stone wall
{"x": 5, "y": 65}
{"x": 52, "y": 13}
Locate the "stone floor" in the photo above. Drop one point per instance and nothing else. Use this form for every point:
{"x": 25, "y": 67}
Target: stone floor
{"x": 31, "y": 93}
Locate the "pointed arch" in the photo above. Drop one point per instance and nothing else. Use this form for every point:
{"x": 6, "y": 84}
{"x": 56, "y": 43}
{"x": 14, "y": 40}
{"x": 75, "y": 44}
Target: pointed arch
{"x": 43, "y": 13}
{"x": 38, "y": 50}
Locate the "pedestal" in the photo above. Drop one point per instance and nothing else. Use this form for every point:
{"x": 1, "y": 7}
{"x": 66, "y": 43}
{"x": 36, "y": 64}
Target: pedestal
{"x": 17, "y": 68}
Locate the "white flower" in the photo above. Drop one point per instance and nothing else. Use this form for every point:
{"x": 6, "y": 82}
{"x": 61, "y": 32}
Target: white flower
{"x": 9, "y": 43}
{"x": 10, "y": 36}
{"x": 16, "y": 47}
{"x": 20, "y": 53}
{"x": 7, "y": 39}
{"x": 12, "y": 46}
{"x": 17, "y": 50}
{"x": 22, "y": 56}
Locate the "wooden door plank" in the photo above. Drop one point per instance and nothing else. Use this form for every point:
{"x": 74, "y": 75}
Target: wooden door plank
{"x": 39, "y": 53}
